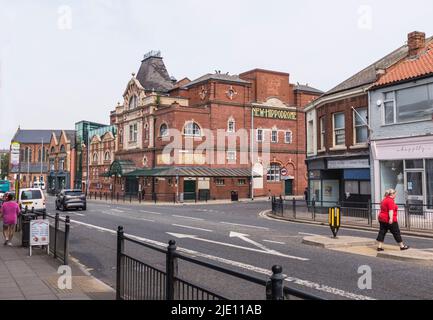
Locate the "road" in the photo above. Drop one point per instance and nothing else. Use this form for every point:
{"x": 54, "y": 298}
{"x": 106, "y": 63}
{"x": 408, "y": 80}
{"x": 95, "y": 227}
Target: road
{"x": 238, "y": 237}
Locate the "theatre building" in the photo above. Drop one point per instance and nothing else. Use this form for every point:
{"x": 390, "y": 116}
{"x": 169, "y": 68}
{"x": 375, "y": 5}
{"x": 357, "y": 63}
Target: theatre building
{"x": 211, "y": 138}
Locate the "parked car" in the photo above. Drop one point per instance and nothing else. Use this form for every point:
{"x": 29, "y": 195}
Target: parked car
{"x": 71, "y": 199}
{"x": 32, "y": 199}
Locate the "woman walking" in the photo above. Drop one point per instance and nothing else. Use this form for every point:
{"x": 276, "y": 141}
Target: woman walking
{"x": 388, "y": 219}
{"x": 9, "y": 212}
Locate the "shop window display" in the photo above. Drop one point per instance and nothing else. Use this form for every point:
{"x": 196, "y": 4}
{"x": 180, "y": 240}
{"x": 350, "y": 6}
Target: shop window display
{"x": 392, "y": 177}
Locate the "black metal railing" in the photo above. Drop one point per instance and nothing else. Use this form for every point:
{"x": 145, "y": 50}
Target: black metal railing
{"x": 137, "y": 280}
{"x": 417, "y": 217}
{"x": 150, "y": 197}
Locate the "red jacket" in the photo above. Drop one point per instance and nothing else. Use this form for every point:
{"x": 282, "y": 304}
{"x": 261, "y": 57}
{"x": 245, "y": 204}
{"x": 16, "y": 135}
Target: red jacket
{"x": 386, "y": 206}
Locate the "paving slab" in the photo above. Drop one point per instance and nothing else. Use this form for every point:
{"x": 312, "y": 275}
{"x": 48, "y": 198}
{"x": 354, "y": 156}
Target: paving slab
{"x": 409, "y": 255}
{"x": 339, "y": 242}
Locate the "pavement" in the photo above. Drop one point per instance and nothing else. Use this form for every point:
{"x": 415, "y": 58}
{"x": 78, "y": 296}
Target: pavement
{"x": 36, "y": 278}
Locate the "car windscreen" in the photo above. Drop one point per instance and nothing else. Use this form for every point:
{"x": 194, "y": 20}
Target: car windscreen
{"x": 73, "y": 193}
{"x": 31, "y": 195}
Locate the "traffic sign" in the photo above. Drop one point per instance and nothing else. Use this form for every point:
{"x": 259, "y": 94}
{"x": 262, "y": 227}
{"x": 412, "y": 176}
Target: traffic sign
{"x": 284, "y": 172}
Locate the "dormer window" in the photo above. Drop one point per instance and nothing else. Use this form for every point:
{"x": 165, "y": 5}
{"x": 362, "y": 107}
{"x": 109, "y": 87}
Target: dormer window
{"x": 133, "y": 102}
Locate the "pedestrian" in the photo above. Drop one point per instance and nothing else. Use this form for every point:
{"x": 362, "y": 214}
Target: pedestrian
{"x": 9, "y": 212}
{"x": 306, "y": 195}
{"x": 388, "y": 219}
{"x": 269, "y": 194}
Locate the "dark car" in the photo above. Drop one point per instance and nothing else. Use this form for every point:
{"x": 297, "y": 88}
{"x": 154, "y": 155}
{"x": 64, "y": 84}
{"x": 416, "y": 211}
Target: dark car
{"x": 71, "y": 199}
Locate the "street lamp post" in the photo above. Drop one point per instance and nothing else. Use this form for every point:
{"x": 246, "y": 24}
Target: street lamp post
{"x": 252, "y": 153}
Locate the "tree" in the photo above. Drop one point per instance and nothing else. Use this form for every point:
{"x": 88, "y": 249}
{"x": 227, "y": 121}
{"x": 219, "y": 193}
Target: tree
{"x": 4, "y": 165}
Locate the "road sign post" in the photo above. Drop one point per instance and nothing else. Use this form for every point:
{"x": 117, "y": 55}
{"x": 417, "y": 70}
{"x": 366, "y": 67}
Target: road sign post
{"x": 335, "y": 220}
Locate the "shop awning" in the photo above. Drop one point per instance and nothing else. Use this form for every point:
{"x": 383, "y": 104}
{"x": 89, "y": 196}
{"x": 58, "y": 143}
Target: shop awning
{"x": 199, "y": 172}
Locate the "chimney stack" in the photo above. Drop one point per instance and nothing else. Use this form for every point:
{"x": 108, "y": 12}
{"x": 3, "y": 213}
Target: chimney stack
{"x": 416, "y": 42}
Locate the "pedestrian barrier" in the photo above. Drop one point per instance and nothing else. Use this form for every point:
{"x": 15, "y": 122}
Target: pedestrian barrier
{"x": 139, "y": 280}
{"x": 411, "y": 217}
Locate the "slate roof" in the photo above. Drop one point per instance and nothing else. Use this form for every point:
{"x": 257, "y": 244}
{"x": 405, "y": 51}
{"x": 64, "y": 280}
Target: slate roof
{"x": 306, "y": 88}
{"x": 410, "y": 68}
{"x": 31, "y": 168}
{"x": 153, "y": 75}
{"x": 217, "y": 76}
{"x": 369, "y": 74}
{"x": 203, "y": 172}
{"x": 34, "y": 136}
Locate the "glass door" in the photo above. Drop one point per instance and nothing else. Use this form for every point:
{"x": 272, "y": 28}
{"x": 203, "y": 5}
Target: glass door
{"x": 415, "y": 191}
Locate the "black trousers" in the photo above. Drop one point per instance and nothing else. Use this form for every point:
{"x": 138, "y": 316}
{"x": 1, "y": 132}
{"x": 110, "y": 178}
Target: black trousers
{"x": 393, "y": 228}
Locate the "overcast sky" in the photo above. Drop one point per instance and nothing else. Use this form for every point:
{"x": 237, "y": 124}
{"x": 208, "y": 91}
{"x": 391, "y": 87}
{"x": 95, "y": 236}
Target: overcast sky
{"x": 66, "y": 61}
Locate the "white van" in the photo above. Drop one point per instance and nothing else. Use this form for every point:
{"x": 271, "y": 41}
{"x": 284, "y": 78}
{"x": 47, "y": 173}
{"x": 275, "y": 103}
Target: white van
{"x": 33, "y": 200}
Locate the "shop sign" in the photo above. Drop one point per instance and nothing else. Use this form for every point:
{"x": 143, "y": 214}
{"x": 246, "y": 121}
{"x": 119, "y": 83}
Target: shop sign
{"x": 349, "y": 164}
{"x": 274, "y": 114}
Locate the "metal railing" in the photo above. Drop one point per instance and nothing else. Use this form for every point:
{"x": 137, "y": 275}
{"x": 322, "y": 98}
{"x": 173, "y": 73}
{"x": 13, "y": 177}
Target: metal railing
{"x": 137, "y": 280}
{"x": 149, "y": 197}
{"x": 413, "y": 217}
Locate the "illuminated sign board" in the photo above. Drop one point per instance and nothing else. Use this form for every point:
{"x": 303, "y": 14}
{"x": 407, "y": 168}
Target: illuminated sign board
{"x": 274, "y": 114}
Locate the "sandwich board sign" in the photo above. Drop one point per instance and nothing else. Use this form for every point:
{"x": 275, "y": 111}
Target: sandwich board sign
{"x": 39, "y": 234}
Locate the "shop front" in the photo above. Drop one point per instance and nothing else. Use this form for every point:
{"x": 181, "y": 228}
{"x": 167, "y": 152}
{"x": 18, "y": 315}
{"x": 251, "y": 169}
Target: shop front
{"x": 341, "y": 180}
{"x": 405, "y": 165}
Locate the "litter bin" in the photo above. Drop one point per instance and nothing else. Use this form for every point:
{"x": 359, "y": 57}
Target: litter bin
{"x": 25, "y": 228}
{"x": 235, "y": 196}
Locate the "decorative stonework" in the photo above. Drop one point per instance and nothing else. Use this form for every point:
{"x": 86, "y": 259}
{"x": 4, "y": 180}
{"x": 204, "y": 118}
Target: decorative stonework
{"x": 203, "y": 93}
{"x": 231, "y": 93}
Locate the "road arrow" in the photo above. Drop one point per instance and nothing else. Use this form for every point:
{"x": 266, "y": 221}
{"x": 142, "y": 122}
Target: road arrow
{"x": 274, "y": 253}
{"x": 245, "y": 238}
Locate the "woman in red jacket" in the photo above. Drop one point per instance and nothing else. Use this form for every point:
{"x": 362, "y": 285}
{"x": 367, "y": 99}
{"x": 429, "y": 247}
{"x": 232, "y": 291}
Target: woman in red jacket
{"x": 388, "y": 219}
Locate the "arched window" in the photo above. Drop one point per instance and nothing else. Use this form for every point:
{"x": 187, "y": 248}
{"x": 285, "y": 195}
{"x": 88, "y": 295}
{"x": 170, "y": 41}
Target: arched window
{"x": 107, "y": 156}
{"x": 28, "y": 155}
{"x": 133, "y": 102}
{"x": 95, "y": 157}
{"x": 62, "y": 149}
{"x": 40, "y": 155}
{"x": 192, "y": 129}
{"x": 47, "y": 154}
{"x": 146, "y": 132}
{"x": 274, "y": 172}
{"x": 53, "y": 150}
{"x": 163, "y": 130}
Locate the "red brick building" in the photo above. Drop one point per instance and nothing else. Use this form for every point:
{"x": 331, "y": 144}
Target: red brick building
{"x": 194, "y": 137}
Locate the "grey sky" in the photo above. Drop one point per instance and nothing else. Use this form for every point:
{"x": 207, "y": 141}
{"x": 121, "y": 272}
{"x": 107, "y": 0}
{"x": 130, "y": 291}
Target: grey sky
{"x": 52, "y": 76}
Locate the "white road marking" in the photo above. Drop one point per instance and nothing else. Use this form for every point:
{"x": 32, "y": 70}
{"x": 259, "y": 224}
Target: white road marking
{"x": 150, "y": 212}
{"x": 276, "y": 242}
{"x": 305, "y": 283}
{"x": 273, "y": 253}
{"x": 193, "y": 228}
{"x": 307, "y": 234}
{"x": 245, "y": 238}
{"x": 80, "y": 214}
{"x": 142, "y": 219}
{"x": 244, "y": 225}
{"x": 185, "y": 217}
{"x": 117, "y": 210}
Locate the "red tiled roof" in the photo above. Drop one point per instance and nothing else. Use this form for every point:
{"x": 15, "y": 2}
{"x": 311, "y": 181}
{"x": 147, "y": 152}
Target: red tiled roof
{"x": 409, "y": 68}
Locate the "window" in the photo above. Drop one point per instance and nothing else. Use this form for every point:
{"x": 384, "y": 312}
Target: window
{"x": 192, "y": 129}
{"x": 361, "y": 127}
{"x": 274, "y": 137}
{"x": 62, "y": 149}
{"x": 429, "y": 175}
{"x": 260, "y": 135}
{"x": 61, "y": 165}
{"x": 107, "y": 156}
{"x": 95, "y": 157}
{"x": 288, "y": 137}
{"x": 231, "y": 155}
{"x": 242, "y": 182}
{"x": 231, "y": 126}
{"x": 163, "y": 130}
{"x": 121, "y": 136}
{"x": 146, "y": 132}
{"x": 365, "y": 187}
{"x": 322, "y": 133}
{"x": 274, "y": 173}
{"x": 407, "y": 105}
{"x": 31, "y": 195}
{"x": 52, "y": 165}
{"x": 133, "y": 102}
{"x": 220, "y": 182}
{"x": 352, "y": 187}
{"x": 133, "y": 131}
{"x": 339, "y": 129}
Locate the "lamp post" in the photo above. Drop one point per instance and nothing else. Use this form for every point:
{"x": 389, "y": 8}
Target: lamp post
{"x": 252, "y": 153}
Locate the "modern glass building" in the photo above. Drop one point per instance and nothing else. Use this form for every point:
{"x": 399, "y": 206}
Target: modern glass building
{"x": 82, "y": 134}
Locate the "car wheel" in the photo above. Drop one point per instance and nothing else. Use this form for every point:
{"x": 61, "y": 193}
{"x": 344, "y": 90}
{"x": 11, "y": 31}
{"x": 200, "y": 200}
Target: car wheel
{"x": 84, "y": 208}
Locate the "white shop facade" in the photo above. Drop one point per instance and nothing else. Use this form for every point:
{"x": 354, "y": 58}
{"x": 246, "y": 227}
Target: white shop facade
{"x": 406, "y": 165}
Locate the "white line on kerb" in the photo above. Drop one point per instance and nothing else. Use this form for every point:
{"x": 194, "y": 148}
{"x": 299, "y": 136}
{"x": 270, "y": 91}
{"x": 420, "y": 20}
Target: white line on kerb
{"x": 193, "y": 228}
{"x": 305, "y": 283}
{"x": 270, "y": 241}
{"x": 244, "y": 225}
{"x": 185, "y": 217}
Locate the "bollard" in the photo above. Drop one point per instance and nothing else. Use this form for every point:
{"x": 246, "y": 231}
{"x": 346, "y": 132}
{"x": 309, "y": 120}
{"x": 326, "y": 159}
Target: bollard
{"x": 67, "y": 228}
{"x": 56, "y": 228}
{"x": 275, "y": 287}
{"x": 171, "y": 270}
{"x": 314, "y": 210}
{"x": 120, "y": 248}
{"x": 294, "y": 208}
{"x": 370, "y": 213}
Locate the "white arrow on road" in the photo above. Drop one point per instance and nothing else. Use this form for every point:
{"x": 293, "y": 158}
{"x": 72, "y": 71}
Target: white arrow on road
{"x": 245, "y": 238}
{"x": 274, "y": 253}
